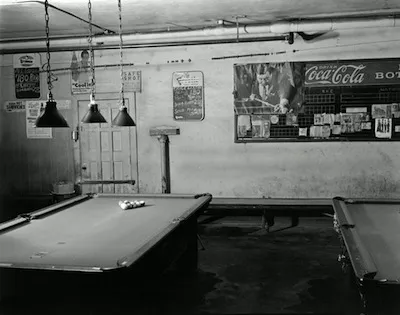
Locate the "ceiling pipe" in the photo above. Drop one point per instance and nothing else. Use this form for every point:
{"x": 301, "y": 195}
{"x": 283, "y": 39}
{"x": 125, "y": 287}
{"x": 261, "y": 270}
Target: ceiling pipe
{"x": 210, "y": 34}
{"x": 324, "y": 25}
{"x": 142, "y": 39}
{"x": 198, "y": 37}
{"x": 151, "y": 45}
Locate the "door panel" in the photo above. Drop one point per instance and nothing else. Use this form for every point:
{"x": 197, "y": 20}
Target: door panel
{"x": 108, "y": 153}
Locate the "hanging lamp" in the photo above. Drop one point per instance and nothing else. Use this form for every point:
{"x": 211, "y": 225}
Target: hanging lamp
{"x": 50, "y": 117}
{"x": 93, "y": 115}
{"x": 122, "y": 119}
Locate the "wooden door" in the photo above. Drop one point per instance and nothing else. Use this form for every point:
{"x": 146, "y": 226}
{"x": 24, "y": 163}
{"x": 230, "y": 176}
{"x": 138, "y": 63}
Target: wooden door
{"x": 108, "y": 153}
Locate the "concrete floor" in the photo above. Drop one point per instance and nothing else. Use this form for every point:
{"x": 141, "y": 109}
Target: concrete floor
{"x": 289, "y": 270}
{"x": 243, "y": 270}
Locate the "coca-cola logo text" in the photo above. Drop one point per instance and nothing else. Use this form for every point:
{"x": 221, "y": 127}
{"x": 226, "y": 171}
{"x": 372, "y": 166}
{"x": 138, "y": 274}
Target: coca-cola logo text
{"x": 343, "y": 74}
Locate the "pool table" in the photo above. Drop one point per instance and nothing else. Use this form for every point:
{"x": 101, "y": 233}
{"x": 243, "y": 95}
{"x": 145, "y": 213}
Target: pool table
{"x": 92, "y": 234}
{"x": 369, "y": 231}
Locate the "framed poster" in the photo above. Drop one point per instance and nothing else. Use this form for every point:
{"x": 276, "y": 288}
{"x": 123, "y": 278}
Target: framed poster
{"x": 342, "y": 100}
{"x": 188, "y": 95}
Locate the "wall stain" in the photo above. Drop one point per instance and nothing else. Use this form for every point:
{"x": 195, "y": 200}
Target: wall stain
{"x": 361, "y": 185}
{"x": 379, "y": 185}
{"x": 387, "y": 160}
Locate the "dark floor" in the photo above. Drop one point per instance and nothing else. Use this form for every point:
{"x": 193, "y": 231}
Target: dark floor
{"x": 289, "y": 270}
{"x": 243, "y": 270}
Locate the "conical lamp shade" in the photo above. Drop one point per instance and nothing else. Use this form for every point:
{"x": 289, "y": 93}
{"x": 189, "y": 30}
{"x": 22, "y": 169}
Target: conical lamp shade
{"x": 93, "y": 115}
{"x": 51, "y": 117}
{"x": 123, "y": 119}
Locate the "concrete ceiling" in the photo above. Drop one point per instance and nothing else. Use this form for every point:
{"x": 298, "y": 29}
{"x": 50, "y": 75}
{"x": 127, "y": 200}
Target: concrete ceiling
{"x": 25, "y": 19}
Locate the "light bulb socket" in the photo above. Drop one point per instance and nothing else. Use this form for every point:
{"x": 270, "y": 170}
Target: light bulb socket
{"x": 92, "y": 100}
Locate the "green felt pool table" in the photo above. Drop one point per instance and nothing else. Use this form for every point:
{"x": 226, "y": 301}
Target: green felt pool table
{"x": 369, "y": 231}
{"x": 92, "y": 235}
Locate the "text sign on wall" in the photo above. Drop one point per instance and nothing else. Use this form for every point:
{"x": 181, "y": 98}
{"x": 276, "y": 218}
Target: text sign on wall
{"x": 26, "y": 75}
{"x": 33, "y": 110}
{"x": 132, "y": 81}
{"x": 352, "y": 73}
{"x": 14, "y": 106}
{"x": 81, "y": 77}
{"x": 188, "y": 99}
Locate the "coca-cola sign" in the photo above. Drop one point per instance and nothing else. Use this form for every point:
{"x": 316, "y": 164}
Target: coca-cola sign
{"x": 353, "y": 73}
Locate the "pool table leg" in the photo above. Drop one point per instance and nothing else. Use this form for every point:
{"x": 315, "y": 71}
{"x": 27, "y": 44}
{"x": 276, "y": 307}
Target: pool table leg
{"x": 267, "y": 220}
{"x": 188, "y": 262}
{"x": 7, "y": 284}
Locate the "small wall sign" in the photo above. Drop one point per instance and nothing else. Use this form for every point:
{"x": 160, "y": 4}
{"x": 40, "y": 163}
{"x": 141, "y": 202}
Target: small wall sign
{"x": 26, "y": 75}
{"x": 188, "y": 95}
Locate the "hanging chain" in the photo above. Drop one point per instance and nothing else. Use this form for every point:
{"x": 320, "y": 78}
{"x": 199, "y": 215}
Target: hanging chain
{"x": 49, "y": 80}
{"x": 93, "y": 81}
{"x": 122, "y": 100}
{"x": 237, "y": 29}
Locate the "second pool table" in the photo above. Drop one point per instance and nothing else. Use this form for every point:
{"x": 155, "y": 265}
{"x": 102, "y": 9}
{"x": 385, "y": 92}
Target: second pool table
{"x": 370, "y": 234}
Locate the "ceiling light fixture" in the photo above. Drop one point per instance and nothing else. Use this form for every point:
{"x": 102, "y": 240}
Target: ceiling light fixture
{"x": 93, "y": 115}
{"x": 50, "y": 117}
{"x": 122, "y": 119}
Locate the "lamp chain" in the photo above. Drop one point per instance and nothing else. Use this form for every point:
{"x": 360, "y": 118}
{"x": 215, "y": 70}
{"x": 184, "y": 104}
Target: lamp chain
{"x": 49, "y": 81}
{"x": 122, "y": 99}
{"x": 93, "y": 81}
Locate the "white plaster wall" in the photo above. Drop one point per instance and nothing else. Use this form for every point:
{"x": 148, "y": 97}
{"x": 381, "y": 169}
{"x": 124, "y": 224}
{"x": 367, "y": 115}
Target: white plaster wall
{"x": 204, "y": 157}
{"x": 31, "y": 166}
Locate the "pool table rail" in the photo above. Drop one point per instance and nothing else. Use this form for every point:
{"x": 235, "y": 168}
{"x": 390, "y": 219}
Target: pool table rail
{"x": 151, "y": 196}
{"x": 376, "y": 201}
{"x": 25, "y": 218}
{"x": 360, "y": 258}
{"x": 33, "y": 266}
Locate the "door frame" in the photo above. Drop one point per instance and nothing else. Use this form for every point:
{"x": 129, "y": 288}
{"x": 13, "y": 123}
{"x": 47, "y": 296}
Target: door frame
{"x": 134, "y": 156}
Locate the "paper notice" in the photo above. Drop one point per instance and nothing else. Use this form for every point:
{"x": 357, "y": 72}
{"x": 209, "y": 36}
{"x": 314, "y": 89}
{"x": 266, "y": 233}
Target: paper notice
{"x": 383, "y": 128}
{"x": 32, "y": 113}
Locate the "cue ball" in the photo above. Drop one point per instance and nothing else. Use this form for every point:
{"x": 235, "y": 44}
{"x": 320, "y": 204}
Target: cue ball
{"x": 123, "y": 205}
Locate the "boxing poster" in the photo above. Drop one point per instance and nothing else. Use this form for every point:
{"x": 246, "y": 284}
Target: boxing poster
{"x": 264, "y": 88}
